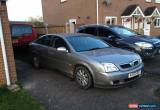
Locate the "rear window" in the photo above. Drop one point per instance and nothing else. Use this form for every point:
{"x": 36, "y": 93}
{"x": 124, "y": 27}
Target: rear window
{"x": 20, "y": 30}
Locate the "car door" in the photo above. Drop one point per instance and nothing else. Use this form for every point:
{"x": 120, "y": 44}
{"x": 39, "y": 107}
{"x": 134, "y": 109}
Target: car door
{"x": 42, "y": 49}
{"x": 52, "y": 51}
{"x": 59, "y": 59}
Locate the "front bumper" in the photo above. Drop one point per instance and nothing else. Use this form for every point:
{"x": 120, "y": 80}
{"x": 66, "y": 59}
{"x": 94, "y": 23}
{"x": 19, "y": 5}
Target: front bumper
{"x": 146, "y": 53}
{"x": 116, "y": 79}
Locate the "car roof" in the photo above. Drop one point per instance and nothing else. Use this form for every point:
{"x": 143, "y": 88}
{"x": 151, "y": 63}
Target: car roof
{"x": 64, "y": 35}
{"x": 99, "y": 25}
{"x": 92, "y": 25}
{"x": 115, "y": 26}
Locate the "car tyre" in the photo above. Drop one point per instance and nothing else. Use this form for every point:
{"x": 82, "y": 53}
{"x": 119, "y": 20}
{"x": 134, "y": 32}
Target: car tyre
{"x": 36, "y": 62}
{"x": 83, "y": 77}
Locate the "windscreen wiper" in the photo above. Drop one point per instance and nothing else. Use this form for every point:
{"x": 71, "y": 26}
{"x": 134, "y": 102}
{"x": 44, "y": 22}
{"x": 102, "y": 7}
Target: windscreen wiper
{"x": 96, "y": 48}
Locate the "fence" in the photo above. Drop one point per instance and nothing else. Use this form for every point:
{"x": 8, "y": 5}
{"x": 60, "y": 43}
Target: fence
{"x": 56, "y": 29}
{"x": 50, "y": 30}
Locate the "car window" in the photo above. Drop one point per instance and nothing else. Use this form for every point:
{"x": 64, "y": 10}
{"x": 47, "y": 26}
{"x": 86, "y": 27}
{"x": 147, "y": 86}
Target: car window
{"x": 20, "y": 30}
{"x": 103, "y": 32}
{"x": 59, "y": 42}
{"x": 91, "y": 30}
{"x": 125, "y": 32}
{"x": 46, "y": 40}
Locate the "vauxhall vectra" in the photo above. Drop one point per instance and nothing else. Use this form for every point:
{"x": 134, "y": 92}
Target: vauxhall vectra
{"x": 90, "y": 61}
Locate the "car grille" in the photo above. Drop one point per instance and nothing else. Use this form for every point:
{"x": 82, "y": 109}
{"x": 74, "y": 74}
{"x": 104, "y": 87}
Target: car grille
{"x": 129, "y": 65}
{"x": 148, "y": 52}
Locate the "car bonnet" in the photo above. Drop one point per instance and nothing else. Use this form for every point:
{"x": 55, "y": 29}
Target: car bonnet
{"x": 142, "y": 38}
{"x": 111, "y": 55}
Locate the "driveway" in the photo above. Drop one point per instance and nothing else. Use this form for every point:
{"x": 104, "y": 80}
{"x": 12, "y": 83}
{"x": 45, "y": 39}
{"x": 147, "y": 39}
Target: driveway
{"x": 57, "y": 92}
{"x": 153, "y": 66}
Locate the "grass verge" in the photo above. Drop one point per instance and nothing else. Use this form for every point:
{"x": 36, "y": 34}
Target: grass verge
{"x": 17, "y": 101}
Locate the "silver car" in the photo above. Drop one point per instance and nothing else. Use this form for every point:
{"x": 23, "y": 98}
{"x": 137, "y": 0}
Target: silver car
{"x": 87, "y": 59}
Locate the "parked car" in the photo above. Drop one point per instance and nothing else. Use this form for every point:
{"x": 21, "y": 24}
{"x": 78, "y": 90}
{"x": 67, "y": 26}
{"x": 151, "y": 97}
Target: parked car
{"x": 87, "y": 59}
{"x": 22, "y": 33}
{"x": 124, "y": 38}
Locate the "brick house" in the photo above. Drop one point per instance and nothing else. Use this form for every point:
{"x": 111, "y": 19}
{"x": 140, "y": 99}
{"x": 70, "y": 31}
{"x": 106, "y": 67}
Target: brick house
{"x": 7, "y": 64}
{"x": 140, "y": 15}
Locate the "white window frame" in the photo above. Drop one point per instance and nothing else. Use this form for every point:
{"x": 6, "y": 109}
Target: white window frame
{"x": 72, "y": 25}
{"x": 157, "y": 20}
{"x": 157, "y": 1}
{"x": 149, "y": 1}
{"x": 63, "y": 1}
{"x": 111, "y": 18}
{"x": 73, "y": 20}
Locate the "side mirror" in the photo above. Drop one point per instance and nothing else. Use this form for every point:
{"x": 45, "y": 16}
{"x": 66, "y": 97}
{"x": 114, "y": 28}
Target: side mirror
{"x": 62, "y": 49}
{"x": 111, "y": 37}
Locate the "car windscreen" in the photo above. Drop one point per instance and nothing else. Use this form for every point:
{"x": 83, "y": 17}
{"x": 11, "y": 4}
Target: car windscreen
{"x": 86, "y": 43}
{"x": 20, "y": 30}
{"x": 124, "y": 32}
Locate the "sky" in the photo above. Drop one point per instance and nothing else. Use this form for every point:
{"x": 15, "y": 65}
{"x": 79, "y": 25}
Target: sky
{"x": 21, "y": 10}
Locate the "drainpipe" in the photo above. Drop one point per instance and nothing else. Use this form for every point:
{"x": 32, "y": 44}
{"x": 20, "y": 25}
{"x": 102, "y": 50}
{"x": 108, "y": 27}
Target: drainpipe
{"x": 97, "y": 4}
{"x": 4, "y": 55}
{"x": 46, "y": 27}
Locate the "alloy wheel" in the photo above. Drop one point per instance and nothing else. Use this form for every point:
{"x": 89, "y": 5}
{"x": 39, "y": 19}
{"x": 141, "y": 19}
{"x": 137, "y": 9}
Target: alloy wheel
{"x": 82, "y": 77}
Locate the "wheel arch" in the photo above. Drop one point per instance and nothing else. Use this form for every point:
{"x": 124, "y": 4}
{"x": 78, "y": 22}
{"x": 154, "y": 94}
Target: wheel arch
{"x": 86, "y": 66}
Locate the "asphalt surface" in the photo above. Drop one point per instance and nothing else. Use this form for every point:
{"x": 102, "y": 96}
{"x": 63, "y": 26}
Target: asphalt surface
{"x": 55, "y": 91}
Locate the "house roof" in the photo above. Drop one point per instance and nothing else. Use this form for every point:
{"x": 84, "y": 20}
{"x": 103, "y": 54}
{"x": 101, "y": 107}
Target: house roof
{"x": 149, "y": 11}
{"x": 129, "y": 10}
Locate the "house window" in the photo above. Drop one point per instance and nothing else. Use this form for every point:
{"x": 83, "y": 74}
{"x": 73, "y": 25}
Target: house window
{"x": 157, "y": 23}
{"x": 63, "y": 1}
{"x": 157, "y": 1}
{"x": 148, "y": 0}
{"x": 111, "y": 20}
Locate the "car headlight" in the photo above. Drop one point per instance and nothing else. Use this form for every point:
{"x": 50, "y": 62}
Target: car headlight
{"x": 144, "y": 45}
{"x": 109, "y": 67}
{"x": 140, "y": 61}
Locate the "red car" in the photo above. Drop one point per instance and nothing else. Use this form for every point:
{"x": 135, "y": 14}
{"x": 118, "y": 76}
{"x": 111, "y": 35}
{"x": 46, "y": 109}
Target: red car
{"x": 22, "y": 33}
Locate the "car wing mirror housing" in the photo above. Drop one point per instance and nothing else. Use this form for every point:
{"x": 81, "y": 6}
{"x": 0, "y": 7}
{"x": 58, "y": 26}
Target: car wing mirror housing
{"x": 112, "y": 37}
{"x": 62, "y": 49}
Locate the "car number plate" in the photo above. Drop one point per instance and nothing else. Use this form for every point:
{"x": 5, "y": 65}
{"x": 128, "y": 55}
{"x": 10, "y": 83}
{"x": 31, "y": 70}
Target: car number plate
{"x": 131, "y": 75}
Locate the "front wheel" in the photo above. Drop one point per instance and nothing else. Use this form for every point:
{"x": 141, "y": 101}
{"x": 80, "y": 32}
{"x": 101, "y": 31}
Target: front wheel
{"x": 83, "y": 77}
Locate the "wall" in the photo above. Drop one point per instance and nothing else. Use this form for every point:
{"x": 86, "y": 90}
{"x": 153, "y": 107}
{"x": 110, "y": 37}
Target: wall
{"x": 51, "y": 30}
{"x": 9, "y": 50}
{"x": 56, "y": 13}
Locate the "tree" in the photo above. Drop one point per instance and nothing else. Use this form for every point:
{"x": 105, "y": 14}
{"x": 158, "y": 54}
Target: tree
{"x": 36, "y": 21}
